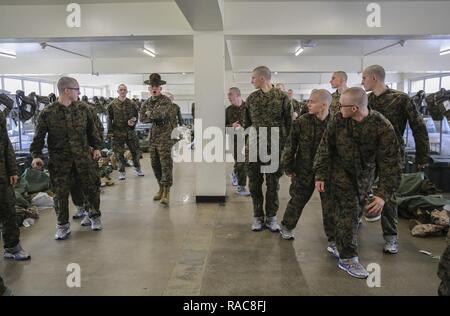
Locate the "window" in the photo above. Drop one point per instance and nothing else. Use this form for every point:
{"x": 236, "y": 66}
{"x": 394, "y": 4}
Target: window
{"x": 98, "y": 92}
{"x": 47, "y": 88}
{"x": 12, "y": 85}
{"x": 31, "y": 86}
{"x": 89, "y": 92}
{"x": 394, "y": 85}
{"x": 432, "y": 85}
{"x": 445, "y": 83}
{"x": 416, "y": 86}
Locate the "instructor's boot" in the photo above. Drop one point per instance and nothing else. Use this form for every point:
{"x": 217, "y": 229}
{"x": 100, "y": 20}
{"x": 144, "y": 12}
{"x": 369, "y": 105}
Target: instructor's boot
{"x": 166, "y": 195}
{"x": 158, "y": 194}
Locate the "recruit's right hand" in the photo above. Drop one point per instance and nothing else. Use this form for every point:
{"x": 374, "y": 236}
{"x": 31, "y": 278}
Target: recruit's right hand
{"x": 236, "y": 124}
{"x": 37, "y": 163}
{"x": 320, "y": 186}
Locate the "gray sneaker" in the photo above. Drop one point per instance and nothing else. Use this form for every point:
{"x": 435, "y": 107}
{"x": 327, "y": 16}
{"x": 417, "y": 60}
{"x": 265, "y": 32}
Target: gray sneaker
{"x": 353, "y": 267}
{"x": 391, "y": 246}
{"x": 285, "y": 233}
{"x": 139, "y": 172}
{"x": 242, "y": 190}
{"x": 331, "y": 248}
{"x": 16, "y": 253}
{"x": 62, "y": 231}
{"x": 258, "y": 223}
{"x": 122, "y": 176}
{"x": 80, "y": 212}
{"x": 96, "y": 223}
{"x": 86, "y": 221}
{"x": 272, "y": 225}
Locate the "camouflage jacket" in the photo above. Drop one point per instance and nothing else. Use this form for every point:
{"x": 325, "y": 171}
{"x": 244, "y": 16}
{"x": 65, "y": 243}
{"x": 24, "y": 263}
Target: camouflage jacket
{"x": 119, "y": 112}
{"x": 397, "y": 107}
{"x": 71, "y": 132}
{"x": 178, "y": 112}
{"x": 350, "y": 152}
{"x": 302, "y": 145}
{"x": 160, "y": 112}
{"x": 97, "y": 121}
{"x": 8, "y": 165}
{"x": 269, "y": 109}
{"x": 234, "y": 114}
{"x": 334, "y": 108}
{"x": 299, "y": 107}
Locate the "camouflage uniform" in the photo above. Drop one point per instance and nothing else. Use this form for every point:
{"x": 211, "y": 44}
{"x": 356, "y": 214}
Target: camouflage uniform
{"x": 160, "y": 112}
{"x": 236, "y": 114}
{"x": 444, "y": 270}
{"x": 299, "y": 107}
{"x": 267, "y": 109}
{"x": 349, "y": 153}
{"x": 396, "y": 106}
{"x": 78, "y": 198}
{"x": 298, "y": 158}
{"x": 119, "y": 112}
{"x": 8, "y": 168}
{"x": 178, "y": 113}
{"x": 71, "y": 134}
{"x": 334, "y": 108}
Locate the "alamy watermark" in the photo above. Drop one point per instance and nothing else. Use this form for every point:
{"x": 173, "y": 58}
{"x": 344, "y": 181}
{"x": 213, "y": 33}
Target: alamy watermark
{"x": 260, "y": 145}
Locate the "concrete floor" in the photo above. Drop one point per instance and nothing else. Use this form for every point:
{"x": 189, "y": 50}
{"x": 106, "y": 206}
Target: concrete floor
{"x": 207, "y": 249}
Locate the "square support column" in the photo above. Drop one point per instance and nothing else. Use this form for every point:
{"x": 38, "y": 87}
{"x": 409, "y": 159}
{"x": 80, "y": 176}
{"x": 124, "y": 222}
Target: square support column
{"x": 209, "y": 73}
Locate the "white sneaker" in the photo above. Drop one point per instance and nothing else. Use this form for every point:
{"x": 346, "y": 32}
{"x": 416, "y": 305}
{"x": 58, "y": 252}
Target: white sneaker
{"x": 62, "y": 231}
{"x": 287, "y": 234}
{"x": 242, "y": 190}
{"x": 96, "y": 223}
{"x": 122, "y": 176}
{"x": 80, "y": 212}
{"x": 331, "y": 248}
{"x": 86, "y": 221}
{"x": 272, "y": 224}
{"x": 234, "y": 179}
{"x": 139, "y": 173}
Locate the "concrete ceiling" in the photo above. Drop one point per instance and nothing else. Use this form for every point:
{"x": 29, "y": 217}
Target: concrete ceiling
{"x": 253, "y": 30}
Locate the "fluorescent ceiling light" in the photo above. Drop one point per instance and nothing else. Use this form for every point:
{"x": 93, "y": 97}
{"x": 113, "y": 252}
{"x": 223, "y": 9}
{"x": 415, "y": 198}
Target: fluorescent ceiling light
{"x": 444, "y": 52}
{"x": 149, "y": 52}
{"x": 9, "y": 55}
{"x": 299, "y": 51}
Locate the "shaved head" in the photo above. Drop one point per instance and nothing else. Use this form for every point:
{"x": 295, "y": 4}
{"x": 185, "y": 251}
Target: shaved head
{"x": 377, "y": 71}
{"x": 341, "y": 74}
{"x": 324, "y": 96}
{"x": 355, "y": 96}
{"x": 263, "y": 71}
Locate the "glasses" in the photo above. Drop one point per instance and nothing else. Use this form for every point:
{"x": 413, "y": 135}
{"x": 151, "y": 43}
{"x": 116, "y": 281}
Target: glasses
{"x": 347, "y": 106}
{"x": 77, "y": 89}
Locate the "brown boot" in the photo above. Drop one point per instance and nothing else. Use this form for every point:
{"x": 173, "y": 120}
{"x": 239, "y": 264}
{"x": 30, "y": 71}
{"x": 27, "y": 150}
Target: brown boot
{"x": 166, "y": 196}
{"x": 159, "y": 194}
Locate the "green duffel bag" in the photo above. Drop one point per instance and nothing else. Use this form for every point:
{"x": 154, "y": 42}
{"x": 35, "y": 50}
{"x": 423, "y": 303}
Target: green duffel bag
{"x": 38, "y": 181}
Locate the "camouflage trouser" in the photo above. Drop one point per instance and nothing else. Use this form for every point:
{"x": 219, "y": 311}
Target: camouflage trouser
{"x": 118, "y": 146}
{"x": 65, "y": 177}
{"x": 162, "y": 163}
{"x": 2, "y": 286}
{"x": 348, "y": 210}
{"x": 79, "y": 199}
{"x": 240, "y": 170}
{"x": 301, "y": 192}
{"x": 240, "y": 167}
{"x": 389, "y": 219}
{"x": 255, "y": 180}
{"x": 8, "y": 219}
{"x": 444, "y": 271}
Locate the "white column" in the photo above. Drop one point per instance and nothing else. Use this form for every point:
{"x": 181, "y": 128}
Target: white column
{"x": 209, "y": 72}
